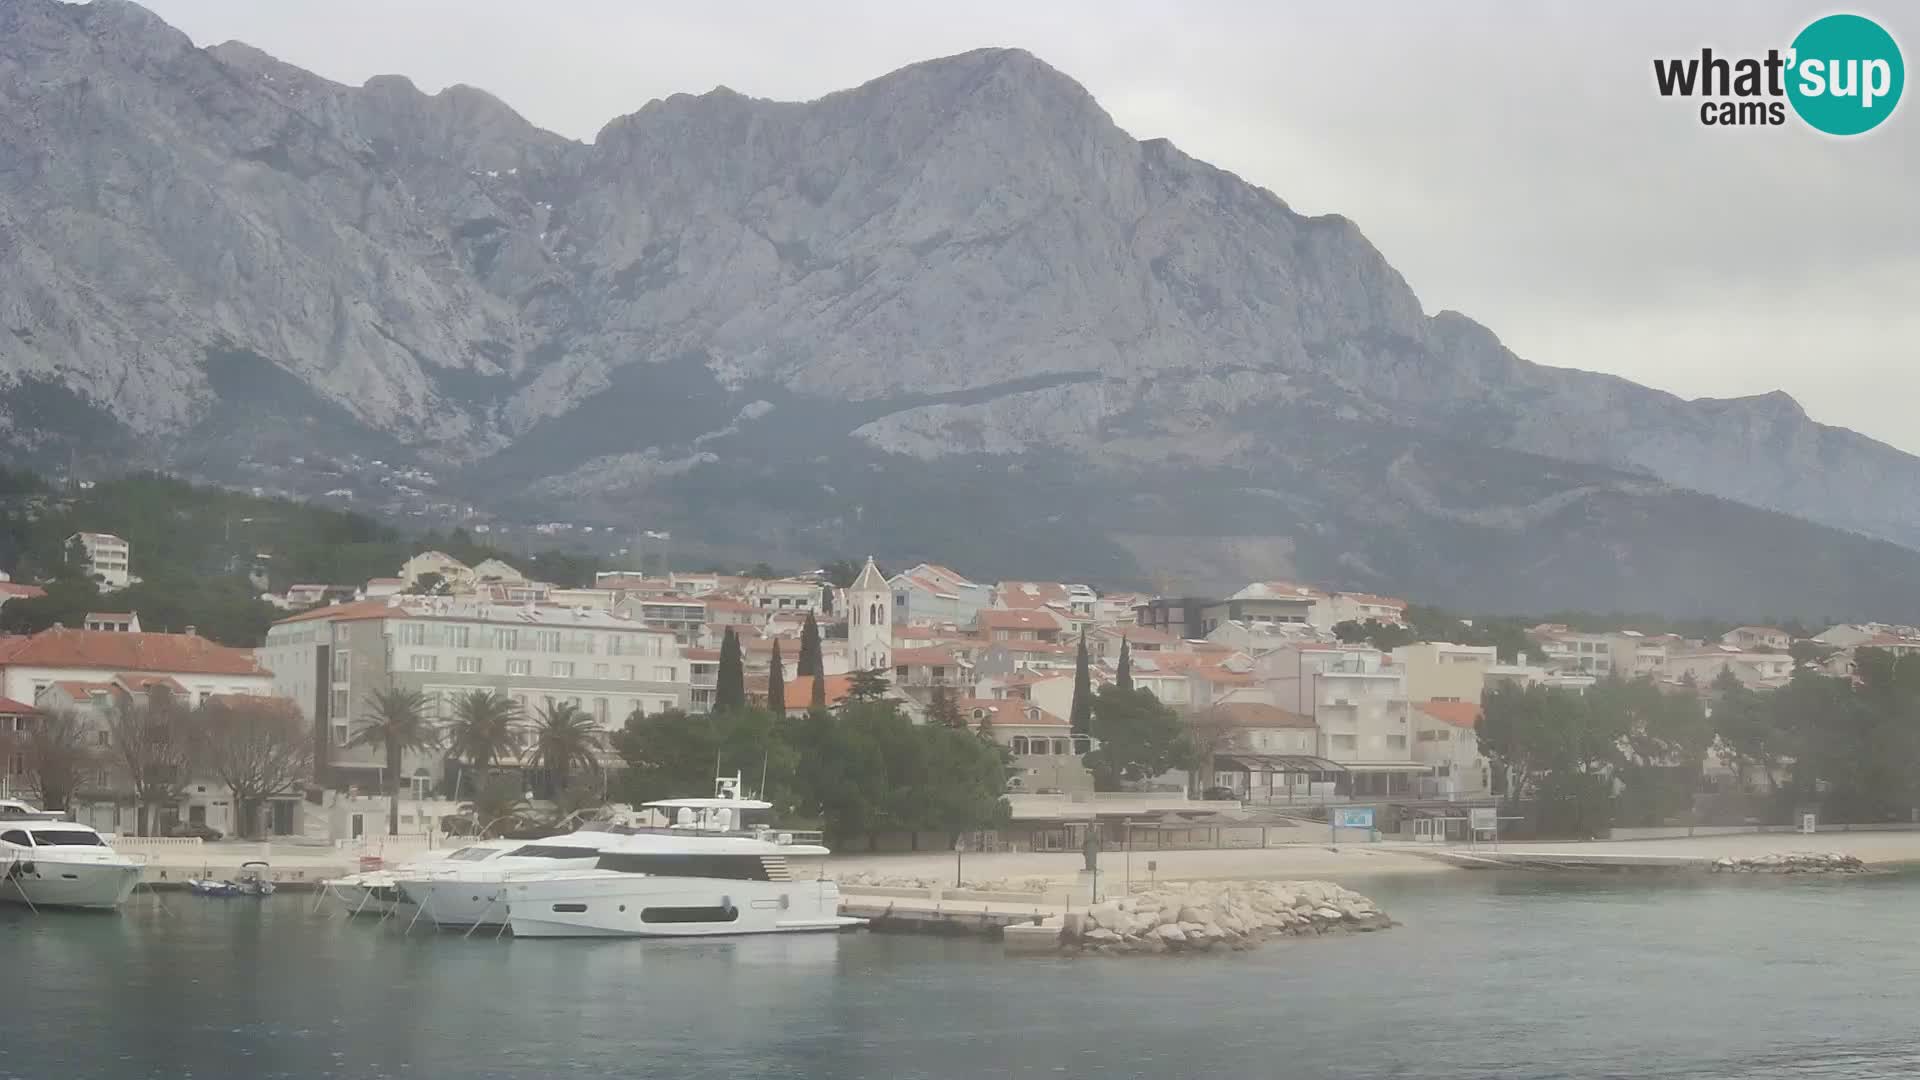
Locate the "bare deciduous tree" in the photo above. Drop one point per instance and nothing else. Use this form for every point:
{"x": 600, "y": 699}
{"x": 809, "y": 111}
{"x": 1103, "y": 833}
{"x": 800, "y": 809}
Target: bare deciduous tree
{"x": 257, "y": 746}
{"x": 57, "y": 756}
{"x": 152, "y": 746}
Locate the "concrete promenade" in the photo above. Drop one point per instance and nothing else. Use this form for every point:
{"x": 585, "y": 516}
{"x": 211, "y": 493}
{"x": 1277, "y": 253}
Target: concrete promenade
{"x": 297, "y": 865}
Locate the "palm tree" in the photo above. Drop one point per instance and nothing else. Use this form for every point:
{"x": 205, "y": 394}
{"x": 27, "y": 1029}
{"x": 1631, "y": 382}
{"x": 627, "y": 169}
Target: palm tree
{"x": 563, "y": 737}
{"x": 396, "y": 719}
{"x": 485, "y": 729}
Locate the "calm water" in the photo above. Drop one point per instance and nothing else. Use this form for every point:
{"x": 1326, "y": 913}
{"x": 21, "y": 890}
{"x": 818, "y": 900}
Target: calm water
{"x": 1490, "y": 977}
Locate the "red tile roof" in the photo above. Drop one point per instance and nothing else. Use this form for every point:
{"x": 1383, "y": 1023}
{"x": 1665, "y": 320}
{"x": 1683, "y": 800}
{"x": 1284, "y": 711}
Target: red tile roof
{"x": 933, "y": 655}
{"x": 1024, "y": 619}
{"x": 800, "y": 690}
{"x": 1008, "y": 711}
{"x": 112, "y": 650}
{"x": 359, "y": 609}
{"x": 10, "y": 707}
{"x": 15, "y": 590}
{"x": 1461, "y": 714}
{"x": 1256, "y": 714}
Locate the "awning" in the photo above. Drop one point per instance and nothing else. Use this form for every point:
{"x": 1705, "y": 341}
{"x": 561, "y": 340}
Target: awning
{"x": 1387, "y": 766}
{"x": 1280, "y": 763}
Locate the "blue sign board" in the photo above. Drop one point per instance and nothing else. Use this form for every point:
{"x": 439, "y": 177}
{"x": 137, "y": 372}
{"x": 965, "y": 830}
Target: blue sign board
{"x": 1353, "y": 817}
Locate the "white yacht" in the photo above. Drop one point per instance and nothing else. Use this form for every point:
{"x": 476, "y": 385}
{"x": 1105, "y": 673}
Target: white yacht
{"x": 466, "y": 888}
{"x": 378, "y": 892}
{"x": 47, "y": 862}
{"x": 698, "y": 876}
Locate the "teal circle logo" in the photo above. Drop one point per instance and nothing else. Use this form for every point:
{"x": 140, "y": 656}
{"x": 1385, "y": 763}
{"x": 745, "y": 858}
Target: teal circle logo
{"x": 1845, "y": 75}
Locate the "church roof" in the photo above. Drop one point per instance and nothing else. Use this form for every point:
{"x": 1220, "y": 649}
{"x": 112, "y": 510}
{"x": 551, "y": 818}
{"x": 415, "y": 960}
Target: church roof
{"x": 870, "y": 579}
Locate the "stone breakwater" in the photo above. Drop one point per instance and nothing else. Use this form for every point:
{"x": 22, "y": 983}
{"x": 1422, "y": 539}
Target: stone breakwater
{"x": 1202, "y": 916}
{"x": 1797, "y": 862}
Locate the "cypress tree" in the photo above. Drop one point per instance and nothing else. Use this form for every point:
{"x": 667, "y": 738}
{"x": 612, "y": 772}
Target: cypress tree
{"x": 810, "y": 663}
{"x": 1123, "y": 671}
{"x": 818, "y": 698}
{"x": 730, "y": 686}
{"x": 1081, "y": 719}
{"x": 777, "y": 684}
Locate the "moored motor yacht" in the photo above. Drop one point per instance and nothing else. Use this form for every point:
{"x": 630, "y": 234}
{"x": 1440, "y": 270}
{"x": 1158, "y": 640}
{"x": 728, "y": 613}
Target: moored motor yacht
{"x": 51, "y": 863}
{"x": 378, "y": 891}
{"x": 466, "y": 890}
{"x": 699, "y": 876}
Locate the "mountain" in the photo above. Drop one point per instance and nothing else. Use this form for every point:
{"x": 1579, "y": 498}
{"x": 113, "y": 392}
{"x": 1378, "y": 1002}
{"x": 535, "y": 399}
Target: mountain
{"x": 955, "y": 312}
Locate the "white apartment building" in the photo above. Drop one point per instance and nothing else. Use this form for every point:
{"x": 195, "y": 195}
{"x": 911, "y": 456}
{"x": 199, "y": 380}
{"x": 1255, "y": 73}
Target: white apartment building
{"x": 331, "y": 660}
{"x": 107, "y": 557}
{"x": 1756, "y": 669}
{"x": 784, "y": 594}
{"x": 1571, "y": 650}
{"x": 1445, "y": 737}
{"x": 1361, "y": 607}
{"x": 1357, "y": 699}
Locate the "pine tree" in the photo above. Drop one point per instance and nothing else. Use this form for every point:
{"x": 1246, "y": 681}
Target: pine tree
{"x": 810, "y": 663}
{"x": 1123, "y": 671}
{"x": 730, "y": 687}
{"x": 776, "y": 684}
{"x": 1081, "y": 717}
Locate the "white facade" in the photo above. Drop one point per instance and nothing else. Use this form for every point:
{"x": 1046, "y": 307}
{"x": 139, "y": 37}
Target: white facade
{"x": 870, "y": 620}
{"x": 331, "y": 660}
{"x": 108, "y": 557}
{"x": 1356, "y": 699}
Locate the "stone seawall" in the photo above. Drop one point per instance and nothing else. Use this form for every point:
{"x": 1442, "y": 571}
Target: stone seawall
{"x": 1202, "y": 916}
{"x": 1796, "y": 862}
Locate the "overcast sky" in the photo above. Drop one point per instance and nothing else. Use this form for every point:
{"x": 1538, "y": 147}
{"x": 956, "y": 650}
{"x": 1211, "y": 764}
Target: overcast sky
{"x": 1513, "y": 161}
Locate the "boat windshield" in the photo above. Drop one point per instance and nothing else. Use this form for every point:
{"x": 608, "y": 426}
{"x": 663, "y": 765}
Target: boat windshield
{"x": 554, "y": 851}
{"x": 66, "y": 838}
{"x": 472, "y": 854}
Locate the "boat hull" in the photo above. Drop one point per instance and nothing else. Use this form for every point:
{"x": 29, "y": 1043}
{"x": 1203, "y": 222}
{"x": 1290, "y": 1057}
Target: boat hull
{"x": 457, "y": 903}
{"x": 638, "y": 905}
{"x": 96, "y": 884}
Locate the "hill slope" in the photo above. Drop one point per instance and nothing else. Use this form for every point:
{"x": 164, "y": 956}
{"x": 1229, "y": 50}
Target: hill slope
{"x": 921, "y": 316}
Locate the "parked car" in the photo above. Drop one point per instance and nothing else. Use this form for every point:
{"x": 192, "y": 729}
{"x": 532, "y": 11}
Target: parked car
{"x": 189, "y": 828}
{"x": 1220, "y": 794}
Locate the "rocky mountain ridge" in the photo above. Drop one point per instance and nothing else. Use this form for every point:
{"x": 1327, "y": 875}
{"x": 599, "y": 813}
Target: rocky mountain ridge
{"x": 957, "y": 269}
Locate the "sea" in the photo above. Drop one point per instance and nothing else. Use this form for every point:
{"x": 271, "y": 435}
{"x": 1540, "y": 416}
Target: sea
{"x": 1488, "y": 975}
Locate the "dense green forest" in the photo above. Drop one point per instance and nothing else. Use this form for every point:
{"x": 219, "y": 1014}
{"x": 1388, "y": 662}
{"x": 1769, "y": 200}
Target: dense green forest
{"x": 195, "y": 548}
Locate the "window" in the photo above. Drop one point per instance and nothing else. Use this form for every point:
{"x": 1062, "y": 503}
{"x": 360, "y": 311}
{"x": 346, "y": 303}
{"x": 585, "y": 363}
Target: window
{"x": 519, "y": 667}
{"x": 340, "y": 704}
{"x": 546, "y": 640}
{"x": 16, "y": 836}
{"x": 457, "y": 636}
{"x": 413, "y": 633}
{"x": 599, "y": 671}
{"x": 600, "y": 710}
{"x": 339, "y": 734}
{"x": 626, "y": 672}
{"x": 469, "y": 665}
{"x": 1396, "y": 742}
{"x": 1343, "y": 742}
{"x": 561, "y": 669}
{"x": 616, "y": 644}
{"x": 102, "y": 737}
{"x": 426, "y": 662}
{"x": 663, "y": 674}
{"x": 506, "y": 637}
{"x": 342, "y": 660}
